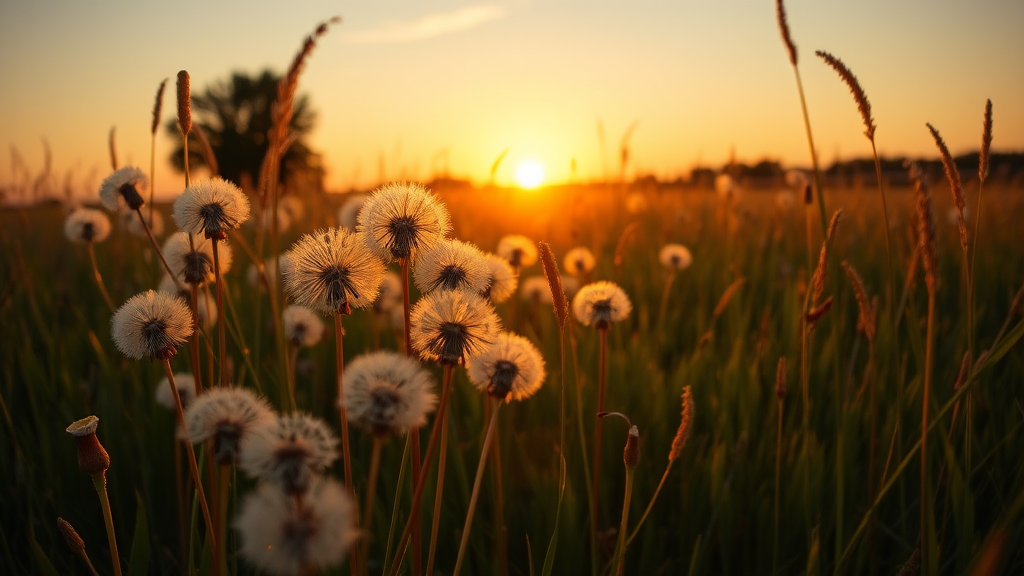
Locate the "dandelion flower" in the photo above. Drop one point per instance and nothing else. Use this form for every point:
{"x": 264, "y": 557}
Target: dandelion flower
{"x": 155, "y": 222}
{"x": 211, "y": 208}
{"x": 289, "y": 537}
{"x": 601, "y": 303}
{"x": 451, "y": 265}
{"x": 302, "y": 327}
{"x": 390, "y": 294}
{"x": 400, "y": 220}
{"x": 151, "y": 324}
{"x": 502, "y": 279}
{"x": 270, "y": 266}
{"x": 579, "y": 261}
{"x": 229, "y": 416}
{"x": 290, "y": 451}
{"x": 519, "y": 250}
{"x": 350, "y": 210}
{"x": 192, "y": 261}
{"x": 332, "y": 270}
{"x": 450, "y": 326}
{"x": 186, "y": 386}
{"x": 675, "y": 257}
{"x": 509, "y": 369}
{"x": 570, "y": 285}
{"x": 87, "y": 225}
{"x": 388, "y": 393}
{"x": 123, "y": 189}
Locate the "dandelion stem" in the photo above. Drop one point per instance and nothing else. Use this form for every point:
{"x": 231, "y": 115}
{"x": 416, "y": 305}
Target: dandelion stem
{"x": 929, "y": 347}
{"x": 293, "y": 359}
{"x": 99, "y": 278}
{"x": 100, "y": 482}
{"x": 620, "y": 548}
{"x": 414, "y": 435}
{"x": 778, "y": 480}
{"x": 395, "y": 507}
{"x": 371, "y": 493}
{"x": 339, "y": 353}
{"x": 602, "y": 371}
{"x": 491, "y": 426}
{"x": 221, "y": 335}
{"x": 435, "y": 520}
{"x": 583, "y": 455}
{"x": 149, "y": 233}
{"x": 197, "y": 370}
{"x": 650, "y": 505}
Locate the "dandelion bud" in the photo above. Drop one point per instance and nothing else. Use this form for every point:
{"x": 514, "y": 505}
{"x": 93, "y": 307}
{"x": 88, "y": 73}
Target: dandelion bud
{"x": 92, "y": 457}
{"x": 631, "y": 455}
{"x": 74, "y": 541}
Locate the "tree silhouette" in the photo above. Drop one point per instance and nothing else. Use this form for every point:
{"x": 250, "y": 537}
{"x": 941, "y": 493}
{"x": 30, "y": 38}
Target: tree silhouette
{"x": 235, "y": 115}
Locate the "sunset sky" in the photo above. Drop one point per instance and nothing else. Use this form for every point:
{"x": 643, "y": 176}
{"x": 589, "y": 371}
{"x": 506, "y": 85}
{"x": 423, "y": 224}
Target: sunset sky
{"x": 425, "y": 85}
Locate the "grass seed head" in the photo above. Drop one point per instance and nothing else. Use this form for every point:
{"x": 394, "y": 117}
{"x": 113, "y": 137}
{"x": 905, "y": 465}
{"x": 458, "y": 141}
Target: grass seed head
{"x": 685, "y": 428}
{"x": 787, "y": 38}
{"x": 955, "y": 185}
{"x": 556, "y": 290}
{"x": 158, "y": 104}
{"x": 863, "y": 105}
{"x": 925, "y": 228}
{"x": 986, "y": 142}
{"x": 75, "y": 542}
{"x": 184, "y": 103}
{"x": 866, "y": 310}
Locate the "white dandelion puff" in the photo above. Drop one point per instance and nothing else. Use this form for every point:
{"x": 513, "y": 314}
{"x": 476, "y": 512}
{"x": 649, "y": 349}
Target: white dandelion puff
{"x": 518, "y": 250}
{"x": 123, "y": 189}
{"x": 509, "y": 369}
{"x": 675, "y": 257}
{"x": 229, "y": 416}
{"x": 601, "y": 303}
{"x": 388, "y": 393}
{"x": 289, "y": 537}
{"x": 302, "y": 327}
{"x": 502, "y": 280}
{"x": 186, "y": 386}
{"x": 349, "y": 211}
{"x": 154, "y": 220}
{"x": 211, "y": 208}
{"x": 399, "y": 220}
{"x": 290, "y": 451}
{"x": 151, "y": 324}
{"x": 87, "y": 225}
{"x": 332, "y": 270}
{"x": 451, "y": 265}
{"x": 192, "y": 260}
{"x": 579, "y": 261}
{"x": 450, "y": 326}
{"x": 390, "y": 294}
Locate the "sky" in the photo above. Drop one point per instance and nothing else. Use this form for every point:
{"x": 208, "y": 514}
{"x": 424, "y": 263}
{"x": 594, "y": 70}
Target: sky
{"x": 409, "y": 89}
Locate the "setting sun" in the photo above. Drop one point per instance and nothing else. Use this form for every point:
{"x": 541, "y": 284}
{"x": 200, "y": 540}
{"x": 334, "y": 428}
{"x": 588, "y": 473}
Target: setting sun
{"x": 529, "y": 174}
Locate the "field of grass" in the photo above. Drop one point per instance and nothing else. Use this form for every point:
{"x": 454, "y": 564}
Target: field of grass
{"x": 716, "y": 512}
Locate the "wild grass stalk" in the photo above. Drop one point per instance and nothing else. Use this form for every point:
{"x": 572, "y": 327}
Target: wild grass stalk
{"x": 99, "y": 277}
{"x": 780, "y": 394}
{"x": 491, "y": 426}
{"x": 222, "y": 354}
{"x": 154, "y": 126}
{"x": 76, "y": 544}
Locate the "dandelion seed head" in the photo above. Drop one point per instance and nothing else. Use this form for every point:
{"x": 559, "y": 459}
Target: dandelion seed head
{"x": 280, "y": 537}
{"x": 450, "y": 326}
{"x": 451, "y": 265}
{"x": 211, "y": 208}
{"x": 331, "y": 270}
{"x": 229, "y": 416}
{"x": 86, "y": 225}
{"x": 579, "y": 261}
{"x": 388, "y": 393}
{"x": 350, "y": 210}
{"x": 123, "y": 189}
{"x": 151, "y": 324}
{"x": 601, "y": 303}
{"x": 302, "y": 327}
{"x": 290, "y": 451}
{"x": 675, "y": 257}
{"x": 192, "y": 262}
{"x": 502, "y": 280}
{"x": 518, "y": 250}
{"x": 186, "y": 386}
{"x": 509, "y": 369}
{"x": 399, "y": 220}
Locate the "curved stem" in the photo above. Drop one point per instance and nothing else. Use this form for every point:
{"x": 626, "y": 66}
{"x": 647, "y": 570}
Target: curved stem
{"x": 99, "y": 278}
{"x": 99, "y": 481}
{"x": 620, "y": 548}
{"x": 149, "y": 233}
{"x": 778, "y": 477}
{"x": 476, "y": 488}
{"x": 814, "y": 152}
{"x": 650, "y": 505}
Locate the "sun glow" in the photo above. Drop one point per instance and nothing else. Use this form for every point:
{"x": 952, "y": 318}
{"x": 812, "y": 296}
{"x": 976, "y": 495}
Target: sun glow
{"x": 529, "y": 174}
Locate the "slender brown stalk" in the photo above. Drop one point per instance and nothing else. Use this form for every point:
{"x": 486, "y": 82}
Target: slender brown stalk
{"x": 99, "y": 481}
{"x": 780, "y": 394}
{"x": 99, "y": 278}
{"x": 221, "y": 335}
{"x": 491, "y": 426}
{"x": 113, "y": 148}
{"x": 435, "y": 519}
{"x": 157, "y": 105}
{"x": 602, "y": 377}
{"x": 339, "y": 353}
{"x": 371, "y": 494}
{"x": 149, "y": 233}
{"x": 414, "y": 435}
{"x": 197, "y": 371}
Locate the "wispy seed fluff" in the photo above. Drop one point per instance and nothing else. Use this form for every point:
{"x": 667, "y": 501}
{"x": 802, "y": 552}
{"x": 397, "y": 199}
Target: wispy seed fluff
{"x": 211, "y": 208}
{"x": 228, "y": 416}
{"x": 332, "y": 270}
{"x": 601, "y": 303}
{"x": 450, "y": 326}
{"x": 451, "y": 265}
{"x": 154, "y": 220}
{"x": 518, "y": 250}
{"x": 390, "y": 294}
{"x": 290, "y": 452}
{"x": 399, "y": 220}
{"x": 388, "y": 393}
{"x": 151, "y": 324}
{"x": 502, "y": 280}
{"x": 302, "y": 327}
{"x": 123, "y": 189}
{"x": 350, "y": 210}
{"x": 675, "y": 257}
{"x": 186, "y": 386}
{"x": 510, "y": 369}
{"x": 288, "y": 537}
{"x": 192, "y": 262}
{"x": 87, "y": 225}
{"x": 579, "y": 261}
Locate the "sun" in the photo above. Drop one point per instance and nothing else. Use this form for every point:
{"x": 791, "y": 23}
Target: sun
{"x": 529, "y": 174}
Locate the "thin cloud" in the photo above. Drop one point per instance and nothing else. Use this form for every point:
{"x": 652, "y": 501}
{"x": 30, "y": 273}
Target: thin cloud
{"x": 429, "y": 26}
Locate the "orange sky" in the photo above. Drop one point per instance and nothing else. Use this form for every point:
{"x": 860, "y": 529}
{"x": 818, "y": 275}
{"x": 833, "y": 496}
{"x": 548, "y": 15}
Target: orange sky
{"x": 428, "y": 84}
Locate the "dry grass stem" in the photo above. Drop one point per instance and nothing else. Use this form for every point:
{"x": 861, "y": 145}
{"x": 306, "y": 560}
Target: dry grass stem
{"x": 113, "y": 148}
{"x": 731, "y": 291}
{"x": 550, "y": 265}
{"x": 685, "y": 426}
{"x": 206, "y": 150}
{"x": 780, "y": 14}
{"x": 925, "y": 229}
{"x": 955, "y": 185}
{"x": 866, "y": 310}
{"x": 158, "y": 104}
{"x": 863, "y": 105}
